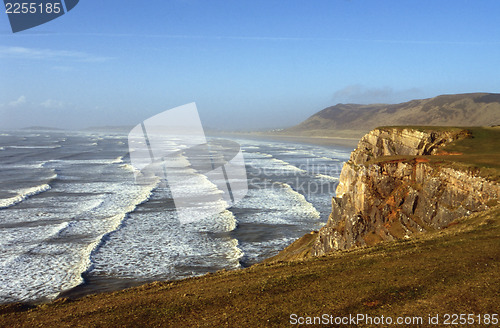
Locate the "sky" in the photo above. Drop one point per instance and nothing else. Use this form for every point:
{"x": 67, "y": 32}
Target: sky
{"x": 248, "y": 65}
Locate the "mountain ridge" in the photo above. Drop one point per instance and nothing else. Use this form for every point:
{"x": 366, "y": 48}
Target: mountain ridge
{"x": 467, "y": 109}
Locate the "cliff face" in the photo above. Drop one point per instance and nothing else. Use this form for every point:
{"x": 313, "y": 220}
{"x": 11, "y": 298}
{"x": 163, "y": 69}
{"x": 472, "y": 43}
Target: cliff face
{"x": 383, "y": 198}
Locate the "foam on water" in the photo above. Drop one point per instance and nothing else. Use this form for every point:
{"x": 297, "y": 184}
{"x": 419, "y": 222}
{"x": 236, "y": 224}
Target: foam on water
{"x": 250, "y": 147}
{"x": 281, "y": 204}
{"x": 273, "y": 166}
{"x": 34, "y": 147}
{"x": 278, "y": 214}
{"x": 287, "y": 165}
{"x": 16, "y": 241}
{"x": 36, "y": 178}
{"x": 290, "y": 195}
{"x": 22, "y": 251}
{"x": 23, "y": 194}
{"x": 263, "y": 154}
{"x": 327, "y": 177}
{"x": 62, "y": 263}
{"x": 155, "y": 244}
{"x": 117, "y": 160}
{"x": 258, "y": 251}
{"x": 55, "y": 261}
{"x": 129, "y": 168}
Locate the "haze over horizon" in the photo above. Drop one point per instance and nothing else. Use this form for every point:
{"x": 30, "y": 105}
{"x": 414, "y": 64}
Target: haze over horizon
{"x": 247, "y": 64}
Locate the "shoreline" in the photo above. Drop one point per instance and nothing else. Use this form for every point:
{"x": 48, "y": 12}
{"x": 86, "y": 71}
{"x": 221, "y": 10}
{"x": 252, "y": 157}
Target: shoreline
{"x": 102, "y": 286}
{"x": 343, "y": 142}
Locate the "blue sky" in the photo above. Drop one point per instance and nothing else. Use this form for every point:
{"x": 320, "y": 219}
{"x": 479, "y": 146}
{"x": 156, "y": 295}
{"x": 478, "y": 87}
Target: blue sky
{"x": 247, "y": 64}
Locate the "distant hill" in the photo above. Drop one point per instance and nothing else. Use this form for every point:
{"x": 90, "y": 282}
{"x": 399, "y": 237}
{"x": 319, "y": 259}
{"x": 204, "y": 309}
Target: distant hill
{"x": 42, "y": 128}
{"x": 110, "y": 128}
{"x": 350, "y": 120}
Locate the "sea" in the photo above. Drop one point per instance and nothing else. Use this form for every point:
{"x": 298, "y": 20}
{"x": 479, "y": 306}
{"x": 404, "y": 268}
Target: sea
{"x": 73, "y": 220}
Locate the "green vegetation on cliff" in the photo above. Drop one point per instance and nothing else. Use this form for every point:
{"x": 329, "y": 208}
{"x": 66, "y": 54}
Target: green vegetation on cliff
{"x": 477, "y": 151}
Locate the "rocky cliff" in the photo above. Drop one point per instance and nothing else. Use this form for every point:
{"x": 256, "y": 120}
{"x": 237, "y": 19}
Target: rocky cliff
{"x": 391, "y": 189}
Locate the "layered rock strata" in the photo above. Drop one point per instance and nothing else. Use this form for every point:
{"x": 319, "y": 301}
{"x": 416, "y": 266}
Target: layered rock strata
{"x": 389, "y": 189}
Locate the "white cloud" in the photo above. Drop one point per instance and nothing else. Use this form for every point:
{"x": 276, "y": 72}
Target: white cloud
{"x": 19, "y": 101}
{"x": 28, "y": 105}
{"x": 48, "y": 54}
{"x": 51, "y": 103}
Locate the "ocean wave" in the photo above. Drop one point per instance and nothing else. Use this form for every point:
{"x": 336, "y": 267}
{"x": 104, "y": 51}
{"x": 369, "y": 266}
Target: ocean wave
{"x": 39, "y": 280}
{"x": 263, "y": 154}
{"x": 250, "y": 147}
{"x": 327, "y": 177}
{"x": 23, "y": 195}
{"x": 115, "y": 223}
{"x": 225, "y": 221}
{"x": 57, "y": 262}
{"x": 276, "y": 204}
{"x": 174, "y": 250}
{"x": 187, "y": 185}
{"x": 117, "y": 160}
{"x": 110, "y": 234}
{"x": 273, "y": 164}
{"x": 74, "y": 262}
{"x": 257, "y": 251}
{"x": 34, "y": 147}
{"x": 300, "y": 201}
{"x": 288, "y": 166}
{"x": 130, "y": 168}
{"x": 309, "y": 153}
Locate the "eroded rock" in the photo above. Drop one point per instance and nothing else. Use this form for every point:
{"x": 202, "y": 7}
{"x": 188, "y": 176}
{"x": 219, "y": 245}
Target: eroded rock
{"x": 386, "y": 200}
